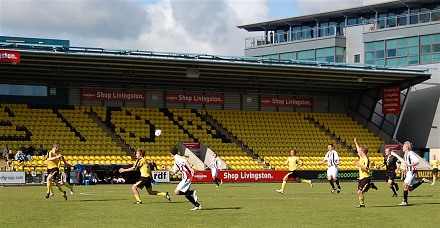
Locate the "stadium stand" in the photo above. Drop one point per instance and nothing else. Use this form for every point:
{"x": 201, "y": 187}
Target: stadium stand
{"x": 268, "y": 135}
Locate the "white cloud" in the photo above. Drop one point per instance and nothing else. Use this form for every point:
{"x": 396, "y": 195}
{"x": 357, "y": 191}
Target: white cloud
{"x": 195, "y": 26}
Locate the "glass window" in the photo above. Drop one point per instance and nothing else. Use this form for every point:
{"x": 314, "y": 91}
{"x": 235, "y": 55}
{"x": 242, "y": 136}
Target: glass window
{"x": 380, "y": 45}
{"x": 403, "y": 61}
{"x": 413, "y": 41}
{"x": 436, "y": 58}
{"x": 402, "y": 42}
{"x": 369, "y": 46}
{"x": 380, "y": 54}
{"x": 436, "y": 38}
{"x": 357, "y": 58}
{"x": 369, "y": 55}
{"x": 425, "y": 49}
{"x": 320, "y": 52}
{"x": 402, "y": 52}
{"x": 370, "y": 62}
{"x": 436, "y": 47}
{"x": 391, "y": 62}
{"x": 413, "y": 51}
{"x": 23, "y": 90}
{"x": 380, "y": 62}
{"x": 302, "y": 55}
{"x": 391, "y": 44}
{"x": 330, "y": 59}
{"x": 413, "y": 60}
{"x": 330, "y": 51}
{"x": 425, "y": 40}
{"x": 391, "y": 52}
{"x": 340, "y": 51}
{"x": 425, "y": 59}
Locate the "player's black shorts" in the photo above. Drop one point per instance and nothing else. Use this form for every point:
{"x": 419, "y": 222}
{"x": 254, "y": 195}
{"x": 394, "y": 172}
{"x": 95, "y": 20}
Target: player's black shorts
{"x": 144, "y": 182}
{"x": 391, "y": 175}
{"x": 435, "y": 172}
{"x": 364, "y": 184}
{"x": 55, "y": 172}
{"x": 293, "y": 174}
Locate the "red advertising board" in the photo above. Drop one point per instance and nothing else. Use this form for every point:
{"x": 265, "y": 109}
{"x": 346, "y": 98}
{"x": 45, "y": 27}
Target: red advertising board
{"x": 286, "y": 101}
{"x": 391, "y": 100}
{"x": 194, "y": 98}
{"x": 110, "y": 95}
{"x": 9, "y": 56}
{"x": 192, "y": 145}
{"x": 392, "y": 146}
{"x": 241, "y": 176}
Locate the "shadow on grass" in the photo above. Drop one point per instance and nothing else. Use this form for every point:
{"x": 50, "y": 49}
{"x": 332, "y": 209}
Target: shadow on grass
{"x": 417, "y": 196}
{"x": 96, "y": 200}
{"x": 221, "y": 208}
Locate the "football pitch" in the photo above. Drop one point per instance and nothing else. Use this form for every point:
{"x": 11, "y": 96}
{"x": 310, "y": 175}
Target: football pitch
{"x": 231, "y": 205}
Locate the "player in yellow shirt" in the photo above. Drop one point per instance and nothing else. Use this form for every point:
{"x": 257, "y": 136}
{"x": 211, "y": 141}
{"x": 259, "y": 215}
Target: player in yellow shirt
{"x": 294, "y": 164}
{"x": 364, "y": 172}
{"x": 63, "y": 176}
{"x": 52, "y": 159}
{"x": 146, "y": 180}
{"x": 435, "y": 164}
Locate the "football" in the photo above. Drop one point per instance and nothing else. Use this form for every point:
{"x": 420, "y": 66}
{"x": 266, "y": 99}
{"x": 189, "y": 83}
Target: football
{"x": 158, "y": 132}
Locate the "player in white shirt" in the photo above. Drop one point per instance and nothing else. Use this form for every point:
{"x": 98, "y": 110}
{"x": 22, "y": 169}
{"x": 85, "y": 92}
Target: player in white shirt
{"x": 215, "y": 167}
{"x": 410, "y": 165}
{"x": 332, "y": 159}
{"x": 183, "y": 188}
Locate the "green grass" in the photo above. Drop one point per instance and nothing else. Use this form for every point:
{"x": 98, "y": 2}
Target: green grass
{"x": 231, "y": 205}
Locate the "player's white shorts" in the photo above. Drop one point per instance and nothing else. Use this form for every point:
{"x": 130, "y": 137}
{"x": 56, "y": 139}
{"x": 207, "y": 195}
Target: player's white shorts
{"x": 410, "y": 178}
{"x": 184, "y": 185}
{"x": 332, "y": 171}
{"x": 214, "y": 172}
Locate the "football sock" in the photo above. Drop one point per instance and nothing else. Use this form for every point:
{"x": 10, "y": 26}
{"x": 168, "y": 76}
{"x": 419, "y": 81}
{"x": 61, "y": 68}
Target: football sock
{"x": 405, "y": 196}
{"x": 433, "y": 179}
{"x": 68, "y": 185}
{"x": 283, "y": 185}
{"x": 161, "y": 194}
{"x": 331, "y": 183}
{"x": 138, "y": 197}
{"x": 361, "y": 200}
{"x": 337, "y": 183}
{"x": 49, "y": 187}
{"x": 305, "y": 181}
{"x": 189, "y": 197}
{"x": 394, "y": 190}
{"x": 418, "y": 184}
{"x": 59, "y": 188}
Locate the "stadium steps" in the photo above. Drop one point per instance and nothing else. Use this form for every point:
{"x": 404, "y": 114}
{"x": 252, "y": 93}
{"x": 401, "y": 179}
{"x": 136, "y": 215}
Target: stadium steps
{"x": 111, "y": 134}
{"x": 234, "y": 140}
{"x": 332, "y": 136}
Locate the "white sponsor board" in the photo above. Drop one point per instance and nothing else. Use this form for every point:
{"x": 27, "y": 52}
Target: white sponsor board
{"x": 160, "y": 176}
{"x": 12, "y": 178}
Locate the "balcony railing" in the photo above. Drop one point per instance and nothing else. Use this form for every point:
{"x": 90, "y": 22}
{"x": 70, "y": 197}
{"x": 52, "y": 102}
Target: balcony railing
{"x": 296, "y": 35}
{"x": 402, "y": 20}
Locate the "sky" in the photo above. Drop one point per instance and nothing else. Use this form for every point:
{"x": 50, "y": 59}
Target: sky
{"x": 183, "y": 26}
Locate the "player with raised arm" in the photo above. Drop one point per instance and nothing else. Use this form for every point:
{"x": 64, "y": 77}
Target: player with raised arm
{"x": 183, "y": 188}
{"x": 364, "y": 172}
{"x": 409, "y": 163}
{"x": 294, "y": 164}
{"x": 332, "y": 159}
{"x": 145, "y": 180}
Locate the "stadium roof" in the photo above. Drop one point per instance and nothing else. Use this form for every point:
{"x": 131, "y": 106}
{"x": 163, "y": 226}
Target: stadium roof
{"x": 132, "y": 69}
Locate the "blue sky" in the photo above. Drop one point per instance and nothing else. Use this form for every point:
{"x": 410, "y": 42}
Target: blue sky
{"x": 190, "y": 26}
